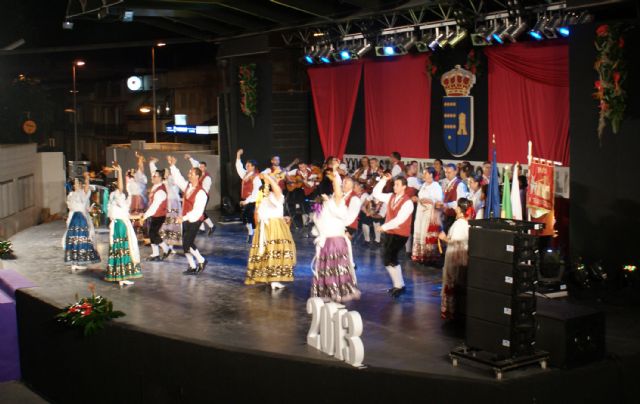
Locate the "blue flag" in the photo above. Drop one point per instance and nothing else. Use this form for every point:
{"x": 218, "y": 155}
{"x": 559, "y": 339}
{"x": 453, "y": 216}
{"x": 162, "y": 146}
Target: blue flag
{"x": 492, "y": 204}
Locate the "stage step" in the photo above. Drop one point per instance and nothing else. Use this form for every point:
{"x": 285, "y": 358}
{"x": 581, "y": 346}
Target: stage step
{"x": 9, "y": 352}
{"x": 10, "y": 281}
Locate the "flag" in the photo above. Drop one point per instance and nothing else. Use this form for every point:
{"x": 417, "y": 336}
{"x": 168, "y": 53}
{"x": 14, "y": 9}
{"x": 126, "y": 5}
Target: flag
{"x": 505, "y": 213}
{"x": 492, "y": 205}
{"x": 516, "y": 204}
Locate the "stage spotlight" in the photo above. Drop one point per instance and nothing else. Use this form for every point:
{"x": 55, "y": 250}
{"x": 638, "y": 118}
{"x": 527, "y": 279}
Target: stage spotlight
{"x": 462, "y": 34}
{"x": 563, "y": 31}
{"x": 308, "y": 59}
{"x": 445, "y": 41}
{"x": 325, "y": 59}
{"x": 67, "y": 24}
{"x": 549, "y": 30}
{"x": 345, "y": 55}
{"x": 389, "y": 51}
{"x": 519, "y": 29}
{"x": 478, "y": 38}
{"x": 366, "y": 47}
{"x": 494, "y": 31}
{"x": 433, "y": 45}
{"x": 406, "y": 44}
{"x": 422, "y": 45}
{"x": 536, "y": 31}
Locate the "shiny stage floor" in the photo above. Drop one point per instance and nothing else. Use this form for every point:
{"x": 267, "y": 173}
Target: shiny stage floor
{"x": 216, "y": 308}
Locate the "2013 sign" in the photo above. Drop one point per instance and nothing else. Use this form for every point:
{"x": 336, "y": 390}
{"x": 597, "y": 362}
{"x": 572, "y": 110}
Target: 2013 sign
{"x": 335, "y": 331}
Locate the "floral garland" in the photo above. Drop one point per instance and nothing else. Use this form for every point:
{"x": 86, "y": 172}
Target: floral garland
{"x": 473, "y": 62}
{"x": 89, "y": 313}
{"x": 612, "y": 73}
{"x": 248, "y": 91}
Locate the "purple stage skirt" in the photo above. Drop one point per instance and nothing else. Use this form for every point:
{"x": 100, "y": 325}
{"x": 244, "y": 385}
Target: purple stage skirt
{"x": 334, "y": 281}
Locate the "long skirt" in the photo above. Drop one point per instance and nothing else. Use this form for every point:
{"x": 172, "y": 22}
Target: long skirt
{"x": 454, "y": 280}
{"x": 171, "y": 230}
{"x": 121, "y": 266}
{"x": 78, "y": 245}
{"x": 332, "y": 272}
{"x": 425, "y": 235}
{"x": 272, "y": 255}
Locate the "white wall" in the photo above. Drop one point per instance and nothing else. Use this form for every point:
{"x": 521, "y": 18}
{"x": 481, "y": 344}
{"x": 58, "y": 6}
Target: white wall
{"x": 50, "y": 181}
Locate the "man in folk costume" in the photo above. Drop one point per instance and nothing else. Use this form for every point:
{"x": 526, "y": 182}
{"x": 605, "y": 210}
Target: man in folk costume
{"x": 301, "y": 183}
{"x": 157, "y": 213}
{"x": 353, "y": 202}
{"x": 193, "y": 204}
{"x": 454, "y": 190}
{"x": 397, "y": 166}
{"x": 397, "y": 227}
{"x": 249, "y": 189}
{"x": 205, "y": 181}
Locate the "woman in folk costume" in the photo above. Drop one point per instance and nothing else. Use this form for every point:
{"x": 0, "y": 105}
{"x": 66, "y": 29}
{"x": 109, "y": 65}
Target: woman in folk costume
{"x": 476, "y": 196}
{"x": 170, "y": 231}
{"x": 454, "y": 272}
{"x": 334, "y": 278}
{"x": 428, "y": 223}
{"x": 136, "y": 187}
{"x": 124, "y": 255}
{"x": 273, "y": 253}
{"x": 79, "y": 239}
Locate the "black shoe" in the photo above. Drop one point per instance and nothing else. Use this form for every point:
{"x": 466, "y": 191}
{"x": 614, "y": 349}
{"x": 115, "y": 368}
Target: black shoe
{"x": 166, "y": 255}
{"x": 201, "y": 266}
{"x": 396, "y": 292}
{"x": 189, "y": 271}
{"x": 211, "y": 230}
{"x": 154, "y": 258}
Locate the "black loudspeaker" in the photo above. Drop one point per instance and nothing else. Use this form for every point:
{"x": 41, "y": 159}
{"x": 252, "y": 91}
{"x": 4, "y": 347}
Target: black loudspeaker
{"x": 501, "y": 277}
{"x": 503, "y": 246}
{"x": 573, "y": 335}
{"x": 513, "y": 310}
{"x": 503, "y": 340}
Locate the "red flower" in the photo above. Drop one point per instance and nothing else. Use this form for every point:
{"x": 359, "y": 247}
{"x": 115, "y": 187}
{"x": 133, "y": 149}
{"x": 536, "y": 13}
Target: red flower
{"x": 604, "y": 106}
{"x": 602, "y": 30}
{"x": 616, "y": 78}
{"x": 621, "y": 42}
{"x": 598, "y": 85}
{"x": 472, "y": 53}
{"x": 434, "y": 69}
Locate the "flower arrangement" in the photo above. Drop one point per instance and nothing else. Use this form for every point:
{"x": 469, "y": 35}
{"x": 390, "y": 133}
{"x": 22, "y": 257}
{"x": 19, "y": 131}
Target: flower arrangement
{"x": 6, "y": 250}
{"x": 90, "y": 313}
{"x": 248, "y": 91}
{"x": 612, "y": 73}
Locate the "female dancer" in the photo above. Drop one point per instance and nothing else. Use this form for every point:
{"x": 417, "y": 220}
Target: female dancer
{"x": 79, "y": 239}
{"x": 333, "y": 273}
{"x": 124, "y": 256}
{"x": 273, "y": 253}
{"x": 454, "y": 272}
{"x": 428, "y": 220}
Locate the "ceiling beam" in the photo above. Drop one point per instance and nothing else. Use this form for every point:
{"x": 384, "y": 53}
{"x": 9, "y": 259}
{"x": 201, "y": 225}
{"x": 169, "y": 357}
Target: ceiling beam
{"x": 320, "y": 9}
{"x": 178, "y": 29}
{"x": 202, "y": 25}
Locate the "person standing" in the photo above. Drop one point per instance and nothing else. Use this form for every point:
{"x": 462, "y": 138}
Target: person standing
{"x": 249, "y": 189}
{"x": 157, "y": 213}
{"x": 454, "y": 190}
{"x": 194, "y": 201}
{"x": 205, "y": 182}
{"x": 351, "y": 193}
{"x": 397, "y": 227}
{"x": 170, "y": 231}
{"x": 272, "y": 256}
{"x": 454, "y": 272}
{"x": 79, "y": 239}
{"x": 334, "y": 277}
{"x": 124, "y": 255}
{"x": 428, "y": 222}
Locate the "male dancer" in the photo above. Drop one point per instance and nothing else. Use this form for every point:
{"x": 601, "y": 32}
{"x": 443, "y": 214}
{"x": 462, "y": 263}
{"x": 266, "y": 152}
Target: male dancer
{"x": 397, "y": 227}
{"x": 157, "y": 212}
{"x": 248, "y": 192}
{"x": 206, "y": 185}
{"x": 193, "y": 204}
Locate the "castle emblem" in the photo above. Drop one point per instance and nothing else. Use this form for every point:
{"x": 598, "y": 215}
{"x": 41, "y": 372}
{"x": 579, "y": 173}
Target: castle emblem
{"x": 458, "y": 110}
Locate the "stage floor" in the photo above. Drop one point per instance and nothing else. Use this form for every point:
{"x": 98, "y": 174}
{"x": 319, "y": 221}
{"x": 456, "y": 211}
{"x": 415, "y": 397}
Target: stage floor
{"x": 216, "y": 308}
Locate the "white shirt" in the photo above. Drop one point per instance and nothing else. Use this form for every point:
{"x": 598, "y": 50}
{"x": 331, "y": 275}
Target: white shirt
{"x": 353, "y": 210}
{"x": 396, "y": 170}
{"x": 405, "y": 211}
{"x": 77, "y": 201}
{"x": 461, "y": 192}
{"x": 206, "y": 181}
{"x": 186, "y": 187}
{"x": 414, "y": 182}
{"x": 119, "y": 206}
{"x": 332, "y": 219}
{"x": 271, "y": 207}
{"x": 431, "y": 191}
{"x": 158, "y": 198}
{"x": 242, "y": 172}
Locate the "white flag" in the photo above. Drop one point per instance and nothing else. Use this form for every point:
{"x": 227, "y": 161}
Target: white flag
{"x": 516, "y": 204}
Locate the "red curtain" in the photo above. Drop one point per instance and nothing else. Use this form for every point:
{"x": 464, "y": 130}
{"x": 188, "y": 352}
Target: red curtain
{"x": 397, "y": 96}
{"x": 529, "y": 100}
{"x": 334, "y": 91}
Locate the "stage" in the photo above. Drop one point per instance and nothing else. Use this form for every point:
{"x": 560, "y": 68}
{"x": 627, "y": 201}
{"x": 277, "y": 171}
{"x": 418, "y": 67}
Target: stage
{"x": 211, "y": 338}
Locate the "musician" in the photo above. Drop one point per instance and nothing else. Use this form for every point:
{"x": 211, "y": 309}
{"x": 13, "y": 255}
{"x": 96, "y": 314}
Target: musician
{"x": 248, "y": 191}
{"x": 277, "y": 172}
{"x": 363, "y": 172}
{"x": 375, "y": 174}
{"x": 301, "y": 184}
{"x": 397, "y": 166}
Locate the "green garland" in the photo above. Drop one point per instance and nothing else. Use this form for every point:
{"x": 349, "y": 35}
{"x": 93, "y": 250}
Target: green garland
{"x": 89, "y": 313}
{"x": 612, "y": 74}
{"x": 248, "y": 91}
{"x": 6, "y": 250}
{"x": 473, "y": 62}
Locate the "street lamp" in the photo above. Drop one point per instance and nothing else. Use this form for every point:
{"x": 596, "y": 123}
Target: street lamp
{"x": 153, "y": 89}
{"x": 78, "y": 63}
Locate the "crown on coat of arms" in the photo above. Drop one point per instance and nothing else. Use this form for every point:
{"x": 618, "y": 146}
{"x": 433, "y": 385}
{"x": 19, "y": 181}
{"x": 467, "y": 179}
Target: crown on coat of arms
{"x": 457, "y": 82}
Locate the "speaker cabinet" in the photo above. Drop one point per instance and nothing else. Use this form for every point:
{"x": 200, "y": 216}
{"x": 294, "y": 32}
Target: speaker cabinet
{"x": 501, "y": 277}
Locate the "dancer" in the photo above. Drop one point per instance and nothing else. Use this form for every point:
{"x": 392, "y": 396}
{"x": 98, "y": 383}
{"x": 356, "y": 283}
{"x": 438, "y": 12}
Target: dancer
{"x": 136, "y": 186}
{"x": 170, "y": 231}
{"x": 454, "y": 272}
{"x": 205, "y": 181}
{"x": 124, "y": 256}
{"x": 249, "y": 190}
{"x": 193, "y": 204}
{"x": 397, "y": 227}
{"x": 428, "y": 221}
{"x": 79, "y": 239}
{"x": 157, "y": 213}
{"x": 334, "y": 277}
{"x": 273, "y": 253}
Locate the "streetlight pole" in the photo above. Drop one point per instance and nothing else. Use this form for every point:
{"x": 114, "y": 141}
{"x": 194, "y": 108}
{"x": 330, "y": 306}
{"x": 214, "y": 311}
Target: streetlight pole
{"x": 75, "y": 108}
{"x": 153, "y": 90}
